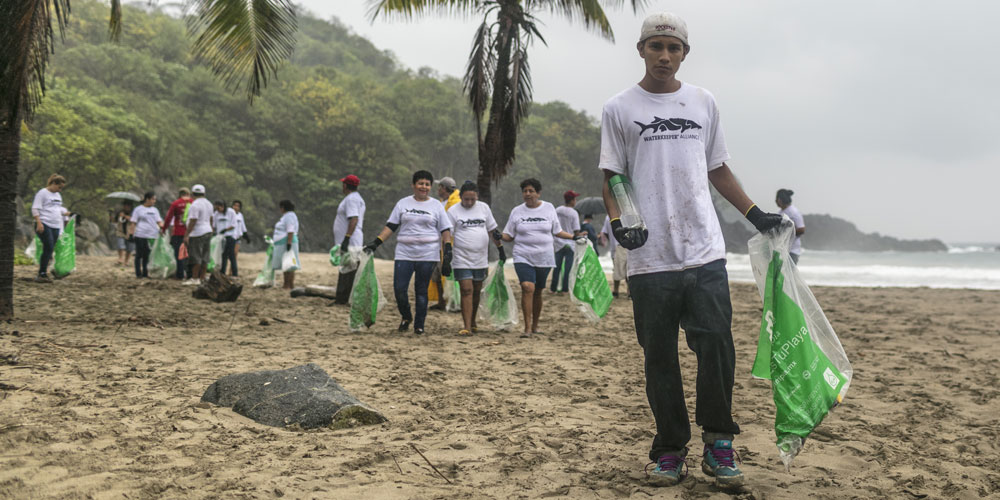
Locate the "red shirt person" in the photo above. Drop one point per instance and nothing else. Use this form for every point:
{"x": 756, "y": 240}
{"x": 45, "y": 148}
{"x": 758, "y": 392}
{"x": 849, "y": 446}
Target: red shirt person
{"x": 175, "y": 219}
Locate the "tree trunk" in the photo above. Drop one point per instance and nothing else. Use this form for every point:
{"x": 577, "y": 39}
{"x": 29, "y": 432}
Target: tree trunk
{"x": 10, "y": 152}
{"x": 492, "y": 163}
{"x": 218, "y": 288}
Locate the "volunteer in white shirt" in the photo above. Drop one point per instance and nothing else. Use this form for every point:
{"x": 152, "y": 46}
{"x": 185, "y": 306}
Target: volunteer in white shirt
{"x": 144, "y": 227}
{"x": 666, "y": 136}
{"x": 48, "y": 211}
{"x": 784, "y": 201}
{"x": 224, "y": 221}
{"x": 619, "y": 256}
{"x": 347, "y": 230}
{"x": 198, "y": 237}
{"x": 239, "y": 232}
{"x": 286, "y": 239}
{"x": 473, "y": 227}
{"x": 569, "y": 220}
{"x": 531, "y": 226}
{"x": 423, "y": 227}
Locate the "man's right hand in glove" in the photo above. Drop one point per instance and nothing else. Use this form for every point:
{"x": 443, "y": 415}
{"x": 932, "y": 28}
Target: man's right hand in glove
{"x": 370, "y": 248}
{"x": 762, "y": 220}
{"x": 343, "y": 244}
{"x": 629, "y": 238}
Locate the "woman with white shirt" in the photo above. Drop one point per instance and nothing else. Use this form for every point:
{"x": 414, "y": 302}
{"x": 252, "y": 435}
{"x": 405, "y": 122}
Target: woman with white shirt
{"x": 531, "y": 226}
{"x": 241, "y": 230}
{"x": 784, "y": 201}
{"x": 473, "y": 225}
{"x": 48, "y": 211}
{"x": 144, "y": 226}
{"x": 224, "y": 220}
{"x": 286, "y": 239}
{"x": 423, "y": 227}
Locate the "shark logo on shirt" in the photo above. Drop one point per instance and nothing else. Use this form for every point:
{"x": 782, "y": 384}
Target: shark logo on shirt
{"x": 472, "y": 222}
{"x": 534, "y": 219}
{"x": 664, "y": 124}
{"x": 416, "y": 211}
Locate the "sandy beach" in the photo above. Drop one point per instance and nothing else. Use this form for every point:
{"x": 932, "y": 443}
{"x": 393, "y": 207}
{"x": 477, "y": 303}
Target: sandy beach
{"x": 101, "y": 377}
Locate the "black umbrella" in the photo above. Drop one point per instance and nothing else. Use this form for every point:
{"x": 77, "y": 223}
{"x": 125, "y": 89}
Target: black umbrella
{"x": 593, "y": 205}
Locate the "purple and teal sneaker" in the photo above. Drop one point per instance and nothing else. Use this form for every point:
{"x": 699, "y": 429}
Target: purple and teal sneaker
{"x": 719, "y": 464}
{"x": 669, "y": 470}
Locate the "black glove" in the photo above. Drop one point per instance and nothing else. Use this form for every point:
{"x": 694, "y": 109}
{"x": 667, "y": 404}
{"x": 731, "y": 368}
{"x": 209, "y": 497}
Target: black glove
{"x": 496, "y": 235}
{"x": 762, "y": 220}
{"x": 370, "y": 248}
{"x": 630, "y": 239}
{"x": 503, "y": 255}
{"x": 288, "y": 246}
{"x": 446, "y": 262}
{"x": 343, "y": 244}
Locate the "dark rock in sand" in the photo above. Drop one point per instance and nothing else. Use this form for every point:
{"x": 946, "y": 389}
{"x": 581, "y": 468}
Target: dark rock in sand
{"x": 304, "y": 395}
{"x": 218, "y": 288}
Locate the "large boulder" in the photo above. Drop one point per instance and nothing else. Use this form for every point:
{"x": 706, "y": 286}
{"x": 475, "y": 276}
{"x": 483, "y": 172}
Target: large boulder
{"x": 304, "y": 396}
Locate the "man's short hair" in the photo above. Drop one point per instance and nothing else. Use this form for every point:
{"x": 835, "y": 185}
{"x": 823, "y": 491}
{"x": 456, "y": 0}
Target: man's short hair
{"x": 56, "y": 179}
{"x": 468, "y": 186}
{"x": 423, "y": 174}
{"x": 533, "y": 183}
{"x": 287, "y": 205}
{"x": 184, "y": 192}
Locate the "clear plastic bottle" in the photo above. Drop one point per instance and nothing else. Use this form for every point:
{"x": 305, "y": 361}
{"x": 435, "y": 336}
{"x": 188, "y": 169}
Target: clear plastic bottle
{"x": 621, "y": 189}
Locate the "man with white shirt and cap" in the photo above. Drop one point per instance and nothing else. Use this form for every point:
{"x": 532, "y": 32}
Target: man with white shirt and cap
{"x": 198, "y": 237}
{"x": 665, "y": 135}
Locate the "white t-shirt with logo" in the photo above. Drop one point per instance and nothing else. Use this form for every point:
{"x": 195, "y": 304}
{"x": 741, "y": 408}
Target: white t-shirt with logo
{"x": 569, "y": 220}
{"x": 471, "y": 232}
{"x": 145, "y": 219}
{"x": 201, "y": 211}
{"x": 288, "y": 223}
{"x": 223, "y": 221}
{"x": 420, "y": 226}
{"x": 241, "y": 226}
{"x": 351, "y": 206}
{"x": 533, "y": 230}
{"x": 666, "y": 144}
{"x": 796, "y": 216}
{"x": 49, "y": 208}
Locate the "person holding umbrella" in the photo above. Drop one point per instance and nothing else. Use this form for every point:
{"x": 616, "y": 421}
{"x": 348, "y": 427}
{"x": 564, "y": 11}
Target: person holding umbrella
{"x": 123, "y": 242}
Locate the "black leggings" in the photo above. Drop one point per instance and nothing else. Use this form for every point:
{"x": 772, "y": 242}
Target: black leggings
{"x": 142, "y": 251}
{"x": 229, "y": 255}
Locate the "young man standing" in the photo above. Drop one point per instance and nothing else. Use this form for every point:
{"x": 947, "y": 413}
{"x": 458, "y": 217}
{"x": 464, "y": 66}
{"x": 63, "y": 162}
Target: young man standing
{"x": 569, "y": 220}
{"x": 174, "y": 221}
{"x": 666, "y": 136}
{"x": 198, "y": 236}
{"x": 347, "y": 230}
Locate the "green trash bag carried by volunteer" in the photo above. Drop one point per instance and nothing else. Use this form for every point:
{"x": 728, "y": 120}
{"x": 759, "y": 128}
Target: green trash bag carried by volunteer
{"x": 265, "y": 278}
{"x": 64, "y": 253}
{"x": 161, "y": 262}
{"x": 335, "y": 256}
{"x": 588, "y": 284}
{"x": 497, "y": 305}
{"x": 797, "y": 349}
{"x": 366, "y": 296}
{"x": 33, "y": 248}
{"x": 216, "y": 245}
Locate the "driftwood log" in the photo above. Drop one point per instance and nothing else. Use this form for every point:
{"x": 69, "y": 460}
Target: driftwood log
{"x": 304, "y": 395}
{"x": 218, "y": 288}
{"x": 327, "y": 292}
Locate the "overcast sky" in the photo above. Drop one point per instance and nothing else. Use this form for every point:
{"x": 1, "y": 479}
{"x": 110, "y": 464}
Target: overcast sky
{"x": 885, "y": 113}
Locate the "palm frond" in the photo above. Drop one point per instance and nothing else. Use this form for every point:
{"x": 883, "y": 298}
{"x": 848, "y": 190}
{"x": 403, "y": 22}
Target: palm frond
{"x": 479, "y": 74}
{"x": 409, "y": 9}
{"x": 517, "y": 104}
{"x": 589, "y": 12}
{"x": 244, "y": 41}
{"x": 115, "y": 21}
{"x": 26, "y": 41}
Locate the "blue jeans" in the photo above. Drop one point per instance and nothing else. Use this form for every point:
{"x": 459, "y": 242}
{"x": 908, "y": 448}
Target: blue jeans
{"x": 563, "y": 256}
{"x": 229, "y": 255}
{"x": 49, "y": 235}
{"x": 403, "y": 270}
{"x": 696, "y": 299}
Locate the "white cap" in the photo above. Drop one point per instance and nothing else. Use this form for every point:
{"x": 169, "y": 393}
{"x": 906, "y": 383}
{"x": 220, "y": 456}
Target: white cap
{"x": 664, "y": 24}
{"x": 198, "y": 189}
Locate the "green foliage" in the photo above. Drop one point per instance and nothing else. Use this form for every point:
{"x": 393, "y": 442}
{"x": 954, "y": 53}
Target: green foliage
{"x": 142, "y": 115}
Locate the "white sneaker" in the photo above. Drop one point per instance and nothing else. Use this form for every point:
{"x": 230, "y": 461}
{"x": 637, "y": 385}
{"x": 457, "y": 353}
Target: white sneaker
{"x": 191, "y": 282}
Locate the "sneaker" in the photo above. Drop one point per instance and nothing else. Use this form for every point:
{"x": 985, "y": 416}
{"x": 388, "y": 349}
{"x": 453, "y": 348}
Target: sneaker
{"x": 669, "y": 470}
{"x": 418, "y": 331}
{"x": 41, "y": 278}
{"x": 191, "y": 282}
{"x": 404, "y": 325}
{"x": 718, "y": 463}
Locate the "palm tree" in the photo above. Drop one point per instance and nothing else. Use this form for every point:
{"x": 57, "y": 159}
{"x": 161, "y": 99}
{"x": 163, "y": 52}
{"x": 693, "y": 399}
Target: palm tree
{"x": 243, "y": 41}
{"x": 497, "y": 75}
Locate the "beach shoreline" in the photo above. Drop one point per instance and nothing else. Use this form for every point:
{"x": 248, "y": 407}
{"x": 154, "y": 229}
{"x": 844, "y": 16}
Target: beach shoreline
{"x": 103, "y": 398}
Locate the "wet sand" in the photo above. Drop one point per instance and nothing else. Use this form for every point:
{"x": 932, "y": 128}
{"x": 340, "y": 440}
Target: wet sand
{"x": 102, "y": 400}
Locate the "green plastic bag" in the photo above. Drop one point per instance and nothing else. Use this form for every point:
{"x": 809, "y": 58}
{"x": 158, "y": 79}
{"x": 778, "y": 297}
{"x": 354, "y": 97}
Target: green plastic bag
{"x": 33, "y": 249}
{"x": 366, "y": 296}
{"x": 216, "y": 246}
{"x": 452, "y": 294}
{"x": 265, "y": 278}
{"x": 497, "y": 306}
{"x": 797, "y": 349}
{"x": 588, "y": 283}
{"x": 161, "y": 263}
{"x": 335, "y": 256}
{"x": 65, "y": 251}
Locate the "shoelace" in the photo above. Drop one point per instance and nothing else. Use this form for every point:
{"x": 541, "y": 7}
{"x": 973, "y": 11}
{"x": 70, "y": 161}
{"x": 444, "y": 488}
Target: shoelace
{"x": 668, "y": 462}
{"x": 724, "y": 456}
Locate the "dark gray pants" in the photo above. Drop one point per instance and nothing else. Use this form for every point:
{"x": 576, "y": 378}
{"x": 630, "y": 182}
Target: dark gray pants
{"x": 345, "y": 283}
{"x": 697, "y": 300}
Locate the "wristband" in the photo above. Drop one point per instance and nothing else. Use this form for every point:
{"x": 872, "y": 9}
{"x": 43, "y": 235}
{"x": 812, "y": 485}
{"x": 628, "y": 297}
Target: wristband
{"x": 749, "y": 209}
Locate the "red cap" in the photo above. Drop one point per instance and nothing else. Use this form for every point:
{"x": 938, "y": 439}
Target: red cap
{"x": 569, "y": 195}
{"x": 351, "y": 180}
